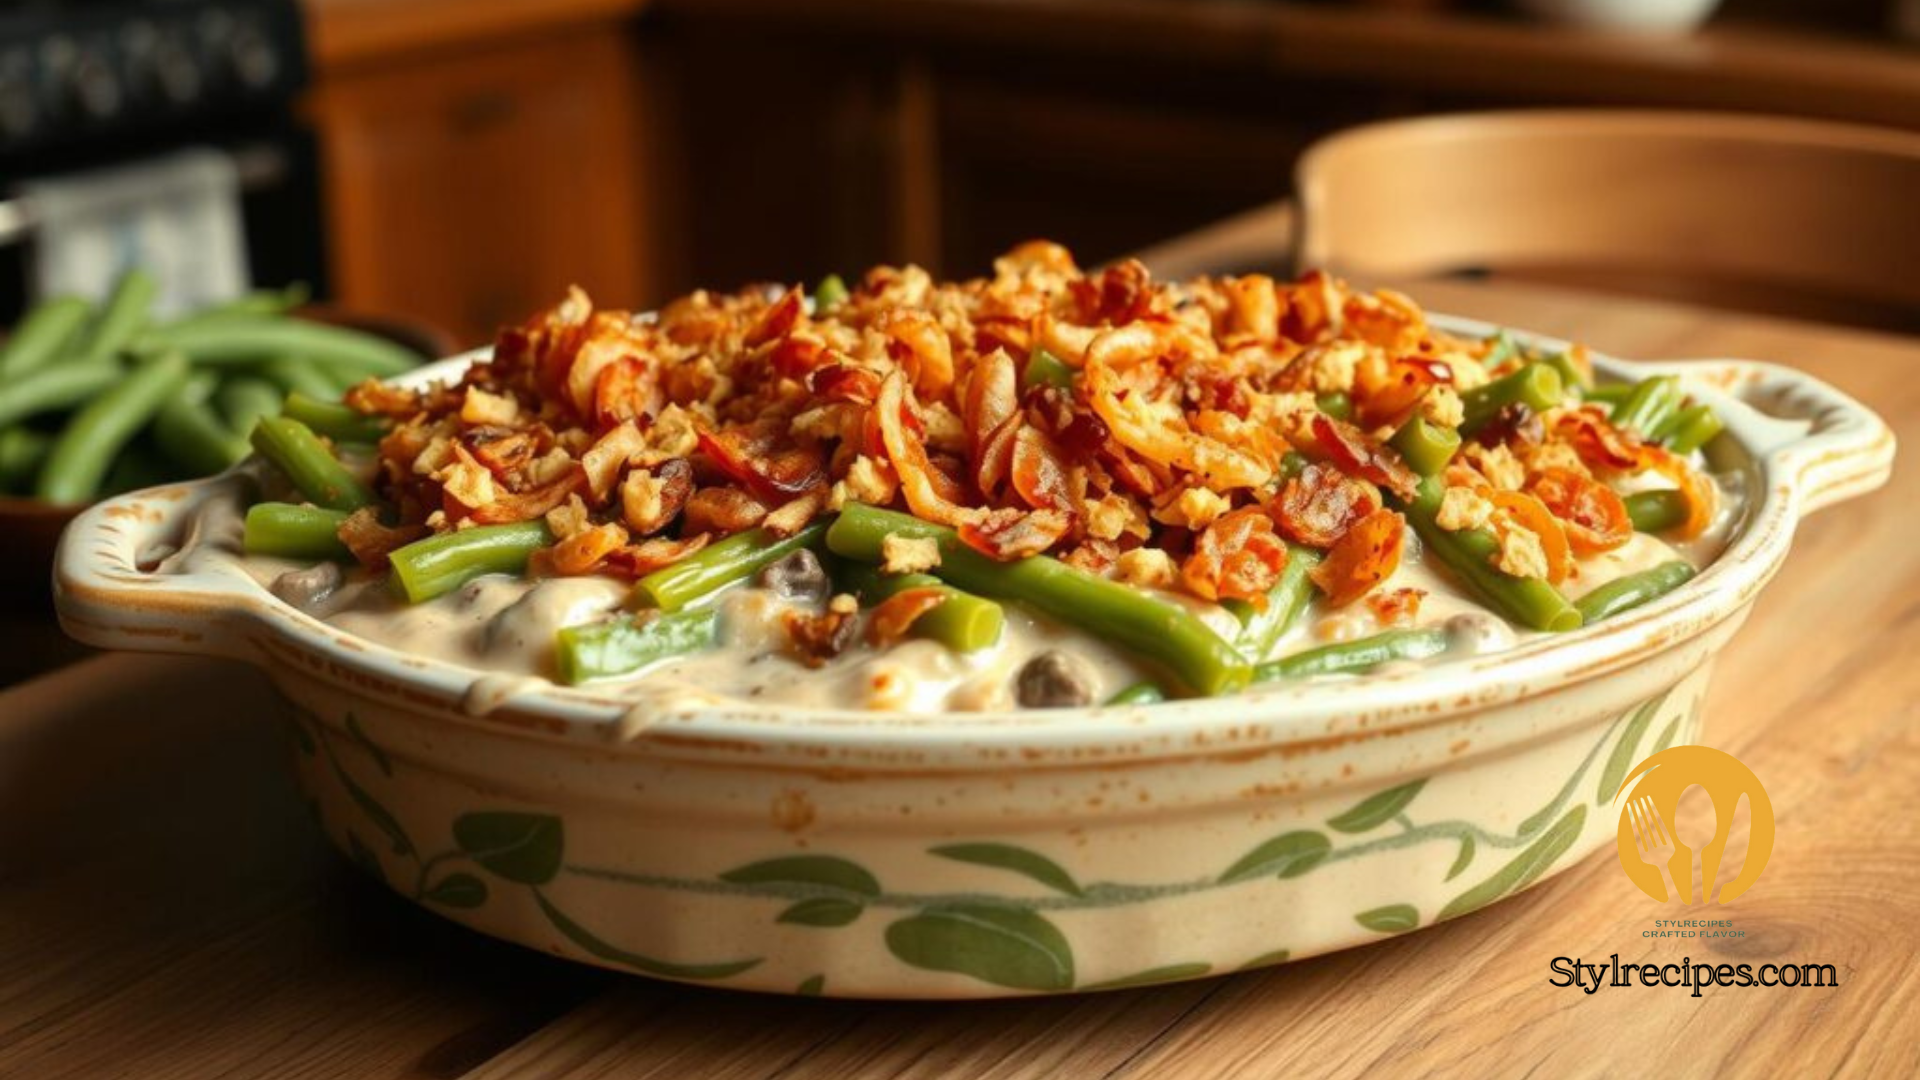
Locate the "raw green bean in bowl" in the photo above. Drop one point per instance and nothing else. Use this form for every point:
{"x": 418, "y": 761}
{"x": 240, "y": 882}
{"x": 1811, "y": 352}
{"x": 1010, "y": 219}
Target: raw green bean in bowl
{"x": 101, "y": 399}
{"x": 837, "y": 645}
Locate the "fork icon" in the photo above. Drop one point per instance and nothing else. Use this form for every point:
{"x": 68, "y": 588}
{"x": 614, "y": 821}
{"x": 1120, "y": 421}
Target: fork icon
{"x": 1653, "y": 838}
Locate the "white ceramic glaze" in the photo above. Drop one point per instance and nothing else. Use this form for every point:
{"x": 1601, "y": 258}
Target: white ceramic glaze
{"x": 985, "y": 854}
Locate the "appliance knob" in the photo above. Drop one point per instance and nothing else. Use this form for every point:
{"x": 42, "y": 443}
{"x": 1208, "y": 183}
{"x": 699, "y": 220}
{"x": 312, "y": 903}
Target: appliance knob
{"x": 92, "y": 86}
{"x": 18, "y": 116}
{"x": 253, "y": 56}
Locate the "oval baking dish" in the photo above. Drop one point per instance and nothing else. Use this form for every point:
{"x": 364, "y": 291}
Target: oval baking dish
{"x": 985, "y": 854}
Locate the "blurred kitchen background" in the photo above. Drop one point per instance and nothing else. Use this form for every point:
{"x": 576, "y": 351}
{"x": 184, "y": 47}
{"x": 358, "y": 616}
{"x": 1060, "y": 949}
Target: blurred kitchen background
{"x": 462, "y": 161}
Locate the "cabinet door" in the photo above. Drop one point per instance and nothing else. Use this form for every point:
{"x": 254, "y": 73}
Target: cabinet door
{"x": 471, "y": 189}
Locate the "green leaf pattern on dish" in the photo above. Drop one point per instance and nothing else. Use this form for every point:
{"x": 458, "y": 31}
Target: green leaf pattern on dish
{"x": 1003, "y": 941}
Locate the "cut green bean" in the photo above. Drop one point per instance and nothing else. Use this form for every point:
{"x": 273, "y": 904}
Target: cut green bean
{"x": 287, "y": 531}
{"x": 87, "y": 446}
{"x": 1633, "y": 590}
{"x": 54, "y": 389}
{"x": 1426, "y": 446}
{"x": 119, "y": 319}
{"x": 188, "y": 431}
{"x": 1336, "y": 404}
{"x": 1046, "y": 369}
{"x": 829, "y": 294}
{"x": 440, "y": 564}
{"x": 625, "y": 645}
{"x": 1352, "y": 657}
{"x": 1694, "y": 428}
{"x": 43, "y": 335}
{"x": 293, "y": 448}
{"x": 1608, "y": 394}
{"x": 245, "y": 400}
{"x": 1260, "y": 628}
{"x": 248, "y": 339}
{"x": 716, "y": 566}
{"x": 22, "y": 451}
{"x": 1656, "y": 511}
{"x": 334, "y": 420}
{"x": 1200, "y": 659}
{"x": 963, "y": 622}
{"x": 1470, "y": 554}
{"x": 1536, "y": 386}
{"x": 1571, "y": 377}
{"x": 300, "y": 377}
{"x": 1140, "y": 693}
{"x": 1648, "y": 406}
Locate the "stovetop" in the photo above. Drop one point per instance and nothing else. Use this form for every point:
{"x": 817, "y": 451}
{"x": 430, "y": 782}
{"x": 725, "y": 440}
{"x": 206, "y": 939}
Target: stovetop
{"x": 95, "y": 73}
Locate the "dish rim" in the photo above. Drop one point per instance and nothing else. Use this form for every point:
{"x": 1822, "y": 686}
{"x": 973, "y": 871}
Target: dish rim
{"x": 1816, "y": 446}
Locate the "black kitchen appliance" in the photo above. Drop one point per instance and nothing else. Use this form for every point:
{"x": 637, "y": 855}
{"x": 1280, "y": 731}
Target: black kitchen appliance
{"x": 91, "y": 84}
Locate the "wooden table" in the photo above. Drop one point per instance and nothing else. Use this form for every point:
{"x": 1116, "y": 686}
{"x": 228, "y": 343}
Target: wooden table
{"x": 167, "y": 909}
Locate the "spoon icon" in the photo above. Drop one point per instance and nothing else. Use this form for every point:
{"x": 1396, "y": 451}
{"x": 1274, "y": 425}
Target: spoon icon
{"x": 1695, "y": 831}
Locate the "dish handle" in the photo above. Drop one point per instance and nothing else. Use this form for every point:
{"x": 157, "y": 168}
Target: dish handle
{"x": 114, "y": 586}
{"x": 1821, "y": 443}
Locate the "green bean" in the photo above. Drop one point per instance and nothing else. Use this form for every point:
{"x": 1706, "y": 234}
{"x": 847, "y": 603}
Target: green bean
{"x": 1502, "y": 350}
{"x": 1426, "y": 446}
{"x": 306, "y": 461}
{"x": 829, "y": 294}
{"x": 42, "y": 335}
{"x": 1136, "y": 621}
{"x": 1140, "y": 693}
{"x": 1470, "y": 554}
{"x": 1648, "y": 406}
{"x": 54, "y": 389}
{"x": 962, "y": 622}
{"x": 1694, "y": 428}
{"x": 189, "y": 432}
{"x": 87, "y": 446}
{"x": 1570, "y": 374}
{"x": 1536, "y": 386}
{"x": 334, "y": 420}
{"x": 1336, "y": 404}
{"x": 1260, "y": 628}
{"x": 1046, "y": 369}
{"x": 1347, "y": 657}
{"x": 627, "y": 644}
{"x": 1633, "y": 590}
{"x": 248, "y": 339}
{"x": 1656, "y": 511}
{"x": 245, "y": 400}
{"x": 716, "y": 566}
{"x": 1608, "y": 394}
{"x": 22, "y": 450}
{"x": 295, "y": 532}
{"x": 300, "y": 377}
{"x": 260, "y": 302}
{"x": 440, "y": 564}
{"x": 119, "y": 319}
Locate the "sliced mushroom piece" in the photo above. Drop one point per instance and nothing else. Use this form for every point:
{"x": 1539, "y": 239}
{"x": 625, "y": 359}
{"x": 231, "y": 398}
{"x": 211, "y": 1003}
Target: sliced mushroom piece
{"x": 797, "y": 577}
{"x": 305, "y": 588}
{"x": 1053, "y": 680}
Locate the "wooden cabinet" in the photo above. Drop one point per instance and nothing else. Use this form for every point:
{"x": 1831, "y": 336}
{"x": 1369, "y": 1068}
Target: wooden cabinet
{"x": 470, "y": 185}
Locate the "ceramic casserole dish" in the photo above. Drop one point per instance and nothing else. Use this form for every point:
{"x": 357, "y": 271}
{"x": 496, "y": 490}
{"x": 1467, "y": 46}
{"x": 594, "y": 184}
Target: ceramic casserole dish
{"x": 985, "y": 854}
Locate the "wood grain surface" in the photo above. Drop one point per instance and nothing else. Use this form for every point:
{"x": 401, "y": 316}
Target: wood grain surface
{"x": 167, "y": 909}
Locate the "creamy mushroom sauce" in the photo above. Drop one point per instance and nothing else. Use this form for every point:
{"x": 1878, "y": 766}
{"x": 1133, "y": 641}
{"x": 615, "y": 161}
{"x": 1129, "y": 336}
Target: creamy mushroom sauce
{"x": 505, "y": 627}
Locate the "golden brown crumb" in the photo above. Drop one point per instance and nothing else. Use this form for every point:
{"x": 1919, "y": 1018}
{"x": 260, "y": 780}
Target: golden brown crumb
{"x": 908, "y": 555}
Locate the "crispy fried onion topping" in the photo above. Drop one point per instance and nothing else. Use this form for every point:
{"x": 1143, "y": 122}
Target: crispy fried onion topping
{"x": 1155, "y": 445}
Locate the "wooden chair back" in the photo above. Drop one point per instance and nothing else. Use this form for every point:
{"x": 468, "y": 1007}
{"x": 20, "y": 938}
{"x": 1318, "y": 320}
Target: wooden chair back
{"x": 1794, "y": 216}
